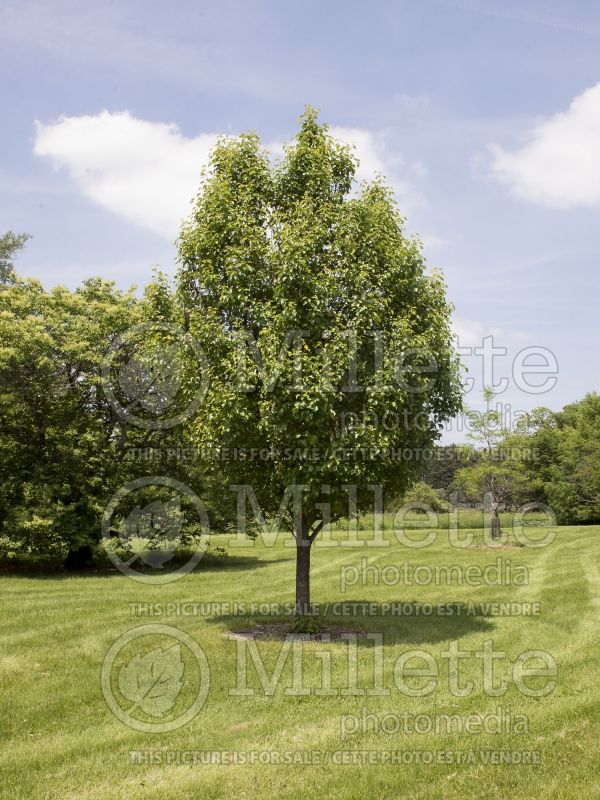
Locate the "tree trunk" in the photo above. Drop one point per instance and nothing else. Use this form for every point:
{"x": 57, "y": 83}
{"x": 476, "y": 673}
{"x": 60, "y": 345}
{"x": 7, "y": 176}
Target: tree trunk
{"x": 79, "y": 559}
{"x": 495, "y": 531}
{"x": 302, "y": 575}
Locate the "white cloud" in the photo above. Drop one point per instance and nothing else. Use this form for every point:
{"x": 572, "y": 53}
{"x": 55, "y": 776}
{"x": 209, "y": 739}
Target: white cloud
{"x": 471, "y": 333}
{"x": 148, "y": 172}
{"x": 374, "y": 158}
{"x": 366, "y": 148}
{"x": 560, "y": 165}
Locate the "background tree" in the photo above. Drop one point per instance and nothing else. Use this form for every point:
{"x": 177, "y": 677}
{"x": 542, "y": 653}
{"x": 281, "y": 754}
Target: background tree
{"x": 57, "y": 448}
{"x": 10, "y": 244}
{"x": 424, "y": 497}
{"x": 566, "y": 469}
{"x": 64, "y": 450}
{"x": 288, "y": 251}
{"x": 499, "y": 484}
{"x": 439, "y": 471}
{"x": 497, "y": 476}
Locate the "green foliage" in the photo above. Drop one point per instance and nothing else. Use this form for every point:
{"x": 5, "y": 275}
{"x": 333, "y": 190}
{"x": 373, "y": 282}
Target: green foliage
{"x": 58, "y": 444}
{"x": 496, "y": 473}
{"x": 551, "y": 457}
{"x": 421, "y": 494}
{"x": 307, "y": 624}
{"x": 271, "y": 250}
{"x": 504, "y": 481}
{"x": 10, "y": 244}
{"x": 440, "y": 470}
{"x": 567, "y": 468}
{"x": 486, "y": 426}
{"x": 63, "y": 448}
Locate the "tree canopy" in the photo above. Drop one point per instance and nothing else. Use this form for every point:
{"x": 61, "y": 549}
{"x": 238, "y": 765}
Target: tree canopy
{"x": 312, "y": 302}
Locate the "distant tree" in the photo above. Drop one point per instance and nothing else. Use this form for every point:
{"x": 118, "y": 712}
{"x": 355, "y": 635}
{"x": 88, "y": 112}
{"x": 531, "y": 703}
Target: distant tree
{"x": 64, "y": 449}
{"x": 567, "y": 466}
{"x": 58, "y": 434}
{"x": 424, "y": 497}
{"x": 551, "y": 457}
{"x": 498, "y": 484}
{"x": 485, "y": 427}
{"x": 497, "y": 476}
{"x": 440, "y": 470}
{"x": 10, "y": 244}
{"x": 288, "y": 251}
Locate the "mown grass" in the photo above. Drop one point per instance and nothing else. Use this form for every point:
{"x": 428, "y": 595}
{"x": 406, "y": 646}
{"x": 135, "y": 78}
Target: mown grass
{"x": 460, "y": 519}
{"x": 60, "y": 740}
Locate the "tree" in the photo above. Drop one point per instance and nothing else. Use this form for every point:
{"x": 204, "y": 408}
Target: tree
{"x": 440, "y": 469}
{"x": 499, "y": 483}
{"x": 552, "y": 458}
{"x": 59, "y": 435}
{"x": 63, "y": 447}
{"x": 425, "y": 498}
{"x": 497, "y": 474}
{"x": 286, "y": 256}
{"x": 567, "y": 445}
{"x": 10, "y": 244}
{"x": 486, "y": 426}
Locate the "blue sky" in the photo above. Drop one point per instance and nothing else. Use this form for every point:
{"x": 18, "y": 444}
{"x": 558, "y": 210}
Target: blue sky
{"x": 485, "y": 116}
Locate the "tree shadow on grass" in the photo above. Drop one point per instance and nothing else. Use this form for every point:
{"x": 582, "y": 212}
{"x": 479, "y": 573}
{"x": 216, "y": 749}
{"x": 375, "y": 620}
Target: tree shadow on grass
{"x": 397, "y": 621}
{"x": 55, "y": 570}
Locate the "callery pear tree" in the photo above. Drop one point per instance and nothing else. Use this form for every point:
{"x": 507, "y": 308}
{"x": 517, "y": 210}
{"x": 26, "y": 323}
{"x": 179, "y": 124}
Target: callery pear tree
{"x": 313, "y": 307}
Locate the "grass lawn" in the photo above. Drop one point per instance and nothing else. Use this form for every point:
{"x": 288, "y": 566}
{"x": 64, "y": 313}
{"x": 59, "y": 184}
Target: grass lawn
{"x": 60, "y": 739}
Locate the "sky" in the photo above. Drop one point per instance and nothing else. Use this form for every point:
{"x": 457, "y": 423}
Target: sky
{"x": 484, "y": 116}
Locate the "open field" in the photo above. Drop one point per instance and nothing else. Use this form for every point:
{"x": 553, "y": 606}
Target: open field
{"x": 61, "y": 740}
